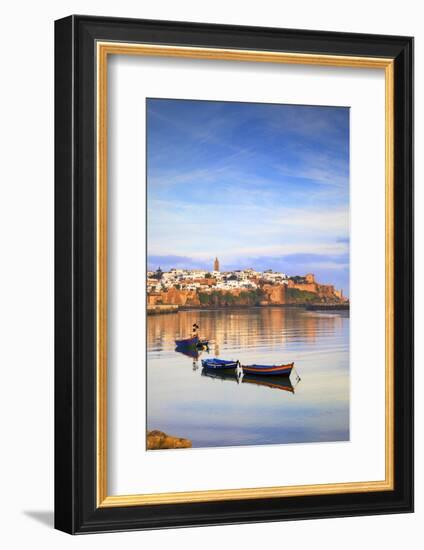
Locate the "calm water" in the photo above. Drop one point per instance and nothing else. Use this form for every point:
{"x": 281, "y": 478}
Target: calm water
{"x": 217, "y": 412}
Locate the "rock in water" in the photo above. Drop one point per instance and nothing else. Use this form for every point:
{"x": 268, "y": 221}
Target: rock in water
{"x": 161, "y": 440}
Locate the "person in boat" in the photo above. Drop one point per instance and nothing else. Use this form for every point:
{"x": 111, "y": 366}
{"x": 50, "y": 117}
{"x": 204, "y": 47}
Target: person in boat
{"x": 195, "y": 334}
{"x": 202, "y": 345}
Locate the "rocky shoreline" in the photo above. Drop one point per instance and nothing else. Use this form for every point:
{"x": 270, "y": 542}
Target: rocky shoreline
{"x": 160, "y": 440}
{"x": 328, "y": 307}
{"x": 162, "y": 309}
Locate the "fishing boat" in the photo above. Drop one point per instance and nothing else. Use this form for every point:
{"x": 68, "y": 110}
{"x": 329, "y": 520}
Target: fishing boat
{"x": 193, "y": 341}
{"x": 193, "y": 351}
{"x": 219, "y": 364}
{"x": 268, "y": 370}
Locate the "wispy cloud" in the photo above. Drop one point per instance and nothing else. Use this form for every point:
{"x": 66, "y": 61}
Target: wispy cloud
{"x": 318, "y": 168}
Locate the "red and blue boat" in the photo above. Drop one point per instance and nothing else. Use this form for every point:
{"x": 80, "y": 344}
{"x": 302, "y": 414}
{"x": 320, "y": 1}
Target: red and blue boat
{"x": 219, "y": 364}
{"x": 268, "y": 370}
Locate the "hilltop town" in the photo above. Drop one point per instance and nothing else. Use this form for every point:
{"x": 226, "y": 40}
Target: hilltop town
{"x": 200, "y": 288}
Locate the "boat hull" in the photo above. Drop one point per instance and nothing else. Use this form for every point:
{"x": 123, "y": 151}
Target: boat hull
{"x": 187, "y": 342}
{"x": 268, "y": 370}
{"x": 219, "y": 365}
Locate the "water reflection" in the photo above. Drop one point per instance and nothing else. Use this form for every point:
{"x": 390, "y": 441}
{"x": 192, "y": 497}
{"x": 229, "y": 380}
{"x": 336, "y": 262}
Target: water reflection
{"x": 250, "y": 410}
{"x": 243, "y": 327}
{"x": 193, "y": 352}
{"x": 273, "y": 382}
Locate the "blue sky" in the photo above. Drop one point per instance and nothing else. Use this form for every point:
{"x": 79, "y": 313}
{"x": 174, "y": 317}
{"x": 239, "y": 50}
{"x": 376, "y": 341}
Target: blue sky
{"x": 258, "y": 185}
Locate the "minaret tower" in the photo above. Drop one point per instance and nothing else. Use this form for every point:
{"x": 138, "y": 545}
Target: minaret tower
{"x": 216, "y": 265}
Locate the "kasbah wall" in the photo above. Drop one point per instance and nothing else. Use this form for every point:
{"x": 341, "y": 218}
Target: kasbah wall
{"x": 275, "y": 294}
{"x": 311, "y": 285}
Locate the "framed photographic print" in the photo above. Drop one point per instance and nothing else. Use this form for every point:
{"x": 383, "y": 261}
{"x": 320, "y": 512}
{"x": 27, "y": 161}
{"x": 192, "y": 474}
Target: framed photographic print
{"x": 233, "y": 274}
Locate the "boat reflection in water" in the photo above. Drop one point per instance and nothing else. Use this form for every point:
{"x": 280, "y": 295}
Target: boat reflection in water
{"x": 232, "y": 375}
{"x": 277, "y": 382}
{"x": 193, "y": 352}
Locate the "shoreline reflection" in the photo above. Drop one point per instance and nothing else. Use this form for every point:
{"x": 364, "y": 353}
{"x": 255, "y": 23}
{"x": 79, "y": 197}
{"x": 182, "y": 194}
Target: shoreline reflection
{"x": 181, "y": 399}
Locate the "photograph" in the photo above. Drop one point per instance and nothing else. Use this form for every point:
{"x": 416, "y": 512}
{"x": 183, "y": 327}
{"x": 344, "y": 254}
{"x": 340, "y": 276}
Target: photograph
{"x": 247, "y": 273}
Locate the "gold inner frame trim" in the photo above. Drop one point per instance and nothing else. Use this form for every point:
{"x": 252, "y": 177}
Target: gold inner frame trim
{"x": 104, "y": 49}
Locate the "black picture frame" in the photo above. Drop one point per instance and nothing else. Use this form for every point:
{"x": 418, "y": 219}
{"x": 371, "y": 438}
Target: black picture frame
{"x": 76, "y": 510}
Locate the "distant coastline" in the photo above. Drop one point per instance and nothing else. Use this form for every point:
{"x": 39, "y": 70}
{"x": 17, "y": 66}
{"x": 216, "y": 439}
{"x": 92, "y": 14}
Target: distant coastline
{"x": 185, "y": 289}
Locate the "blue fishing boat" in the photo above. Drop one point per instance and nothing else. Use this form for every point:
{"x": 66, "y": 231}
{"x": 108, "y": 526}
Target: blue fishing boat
{"x": 268, "y": 370}
{"x": 219, "y": 364}
{"x": 193, "y": 341}
{"x": 193, "y": 351}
